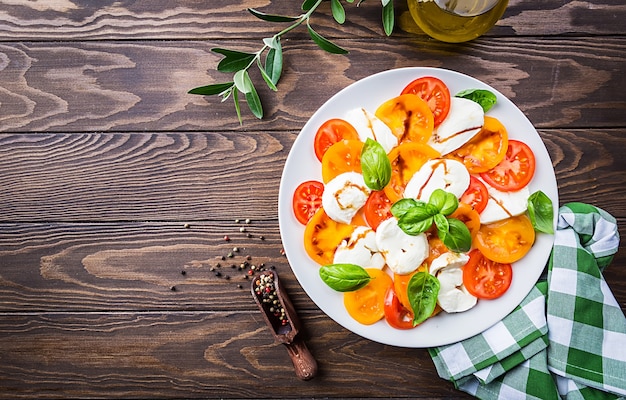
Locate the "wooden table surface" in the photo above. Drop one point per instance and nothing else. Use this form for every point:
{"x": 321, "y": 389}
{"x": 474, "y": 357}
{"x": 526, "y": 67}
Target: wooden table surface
{"x": 114, "y": 180}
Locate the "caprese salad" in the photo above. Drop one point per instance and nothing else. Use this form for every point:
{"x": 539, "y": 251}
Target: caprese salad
{"x": 423, "y": 206}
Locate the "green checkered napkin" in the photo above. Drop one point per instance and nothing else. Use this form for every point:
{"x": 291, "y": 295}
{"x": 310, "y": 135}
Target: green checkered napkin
{"x": 567, "y": 339}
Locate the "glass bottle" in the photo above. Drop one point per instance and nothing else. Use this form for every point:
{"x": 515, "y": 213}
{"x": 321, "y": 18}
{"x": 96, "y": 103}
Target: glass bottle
{"x": 456, "y": 20}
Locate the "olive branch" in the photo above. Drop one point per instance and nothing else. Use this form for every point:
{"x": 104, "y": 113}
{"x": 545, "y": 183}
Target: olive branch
{"x": 271, "y": 66}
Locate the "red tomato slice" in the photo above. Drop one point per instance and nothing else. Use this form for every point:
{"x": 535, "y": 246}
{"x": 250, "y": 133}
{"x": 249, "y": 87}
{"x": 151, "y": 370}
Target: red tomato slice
{"x": 484, "y": 278}
{"x": 307, "y": 199}
{"x": 377, "y": 208}
{"x": 330, "y": 133}
{"x": 396, "y": 314}
{"x": 434, "y": 92}
{"x": 476, "y": 195}
{"x": 515, "y": 171}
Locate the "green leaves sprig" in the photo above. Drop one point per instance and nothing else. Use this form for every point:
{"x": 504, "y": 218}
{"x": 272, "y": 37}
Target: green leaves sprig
{"x": 416, "y": 216}
{"x": 271, "y": 66}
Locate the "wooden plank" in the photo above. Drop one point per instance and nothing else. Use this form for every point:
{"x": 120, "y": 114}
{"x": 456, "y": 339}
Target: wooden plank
{"x": 133, "y": 266}
{"x": 142, "y": 86}
{"x": 188, "y": 19}
{"x": 185, "y": 177}
{"x": 198, "y": 355}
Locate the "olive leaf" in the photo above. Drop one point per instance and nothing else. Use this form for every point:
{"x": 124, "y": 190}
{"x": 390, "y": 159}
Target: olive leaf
{"x": 388, "y": 17}
{"x": 233, "y": 61}
{"x": 210, "y": 90}
{"x": 271, "y": 69}
{"x": 271, "y": 17}
{"x": 324, "y": 43}
{"x": 339, "y": 14}
{"x": 307, "y": 5}
{"x": 274, "y": 62}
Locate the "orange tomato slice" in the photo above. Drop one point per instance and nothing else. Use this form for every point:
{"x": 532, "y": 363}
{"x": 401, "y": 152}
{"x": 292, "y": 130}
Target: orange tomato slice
{"x": 343, "y": 156}
{"x": 506, "y": 241}
{"x": 409, "y": 118}
{"x": 406, "y": 159}
{"x": 367, "y": 305}
{"x": 485, "y": 150}
{"x": 322, "y": 235}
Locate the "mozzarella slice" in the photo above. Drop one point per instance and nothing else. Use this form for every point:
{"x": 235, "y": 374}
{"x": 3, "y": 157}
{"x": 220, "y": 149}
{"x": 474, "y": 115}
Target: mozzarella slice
{"x": 360, "y": 249}
{"x": 449, "y": 175}
{"x": 344, "y": 195}
{"x": 403, "y": 253}
{"x": 370, "y": 126}
{"x": 464, "y": 121}
{"x": 502, "y": 205}
{"x": 453, "y": 296}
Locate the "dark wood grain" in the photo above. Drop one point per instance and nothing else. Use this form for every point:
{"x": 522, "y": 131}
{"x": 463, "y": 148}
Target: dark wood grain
{"x": 142, "y": 86}
{"x": 192, "y": 19}
{"x": 201, "y": 355}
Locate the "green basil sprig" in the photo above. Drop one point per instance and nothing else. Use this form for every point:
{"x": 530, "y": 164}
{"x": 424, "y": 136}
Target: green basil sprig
{"x": 271, "y": 68}
{"x": 416, "y": 216}
{"x": 485, "y": 98}
{"x": 541, "y": 212}
{"x": 344, "y": 277}
{"x": 375, "y": 165}
{"x": 423, "y": 289}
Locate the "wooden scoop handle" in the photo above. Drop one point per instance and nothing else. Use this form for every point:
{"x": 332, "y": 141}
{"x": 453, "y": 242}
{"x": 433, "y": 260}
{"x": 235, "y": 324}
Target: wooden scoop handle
{"x": 302, "y": 359}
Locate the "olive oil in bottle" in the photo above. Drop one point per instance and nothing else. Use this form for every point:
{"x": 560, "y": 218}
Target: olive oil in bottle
{"x": 456, "y": 20}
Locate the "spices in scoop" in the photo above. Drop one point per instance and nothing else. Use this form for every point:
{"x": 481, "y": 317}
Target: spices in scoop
{"x": 265, "y": 290}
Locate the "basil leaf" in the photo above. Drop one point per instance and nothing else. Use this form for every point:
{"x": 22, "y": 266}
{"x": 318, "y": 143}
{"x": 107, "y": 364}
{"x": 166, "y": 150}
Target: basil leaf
{"x": 442, "y": 224}
{"x": 540, "y": 212}
{"x": 324, "y": 43}
{"x": 339, "y": 14}
{"x": 270, "y": 17}
{"x": 423, "y": 289}
{"x": 457, "y": 238}
{"x": 210, "y": 90}
{"x": 233, "y": 60}
{"x": 485, "y": 98}
{"x": 388, "y": 17}
{"x": 344, "y": 277}
{"x": 445, "y": 202}
{"x": 417, "y": 219}
{"x": 375, "y": 165}
{"x": 400, "y": 207}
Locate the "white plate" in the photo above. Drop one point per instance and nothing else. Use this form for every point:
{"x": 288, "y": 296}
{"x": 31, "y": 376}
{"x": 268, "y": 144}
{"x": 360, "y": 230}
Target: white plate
{"x": 302, "y": 165}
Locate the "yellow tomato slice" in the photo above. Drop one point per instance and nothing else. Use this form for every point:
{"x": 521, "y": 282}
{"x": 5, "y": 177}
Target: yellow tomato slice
{"x": 506, "y": 241}
{"x": 343, "y": 156}
{"x": 322, "y": 235}
{"x": 409, "y": 118}
{"x": 367, "y": 305}
{"x": 406, "y": 159}
{"x": 485, "y": 150}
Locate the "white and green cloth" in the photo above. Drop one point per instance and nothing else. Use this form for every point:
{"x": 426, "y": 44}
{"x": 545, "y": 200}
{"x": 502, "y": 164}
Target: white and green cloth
{"x": 566, "y": 340}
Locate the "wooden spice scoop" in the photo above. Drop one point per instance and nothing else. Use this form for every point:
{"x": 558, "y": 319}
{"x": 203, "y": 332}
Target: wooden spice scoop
{"x": 284, "y": 332}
